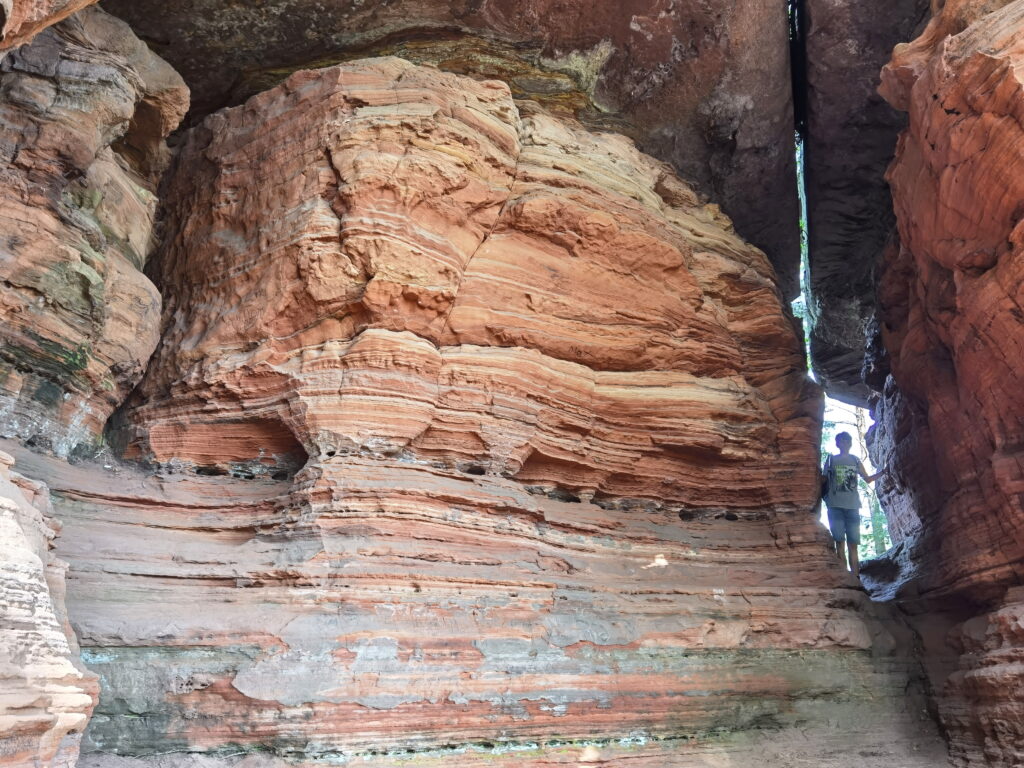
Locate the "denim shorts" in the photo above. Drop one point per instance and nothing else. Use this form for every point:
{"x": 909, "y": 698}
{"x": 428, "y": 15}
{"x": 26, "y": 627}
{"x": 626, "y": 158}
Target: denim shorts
{"x": 844, "y": 524}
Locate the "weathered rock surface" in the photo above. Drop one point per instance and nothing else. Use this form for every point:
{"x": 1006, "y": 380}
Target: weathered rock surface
{"x": 952, "y": 421}
{"x": 21, "y": 20}
{"x": 515, "y": 292}
{"x": 84, "y": 110}
{"x": 982, "y": 707}
{"x": 46, "y": 695}
{"x": 704, "y": 86}
{"x": 389, "y": 613}
{"x": 851, "y": 137}
{"x": 952, "y": 296}
{"x": 478, "y": 440}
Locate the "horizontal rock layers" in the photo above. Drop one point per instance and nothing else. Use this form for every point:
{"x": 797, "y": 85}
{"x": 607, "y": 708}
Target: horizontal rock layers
{"x": 476, "y": 438}
{"x": 704, "y": 86}
{"x": 46, "y": 695}
{"x": 384, "y": 612}
{"x": 952, "y": 420}
{"x": 397, "y": 262}
{"x": 84, "y": 110}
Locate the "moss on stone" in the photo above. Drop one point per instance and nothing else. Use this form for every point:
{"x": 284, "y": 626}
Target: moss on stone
{"x": 561, "y": 85}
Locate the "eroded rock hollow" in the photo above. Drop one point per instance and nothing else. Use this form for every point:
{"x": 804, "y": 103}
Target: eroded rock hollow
{"x": 405, "y": 412}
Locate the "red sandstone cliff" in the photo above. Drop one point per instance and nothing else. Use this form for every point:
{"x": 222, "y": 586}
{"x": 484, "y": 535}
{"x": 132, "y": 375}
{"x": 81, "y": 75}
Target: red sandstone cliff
{"x": 514, "y": 292}
{"x": 477, "y": 437}
{"x": 952, "y": 422}
{"x": 474, "y": 436}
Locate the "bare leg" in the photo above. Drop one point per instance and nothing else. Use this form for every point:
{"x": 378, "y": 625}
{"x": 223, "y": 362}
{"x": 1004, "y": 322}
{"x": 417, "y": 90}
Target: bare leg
{"x": 854, "y": 560}
{"x": 840, "y": 554}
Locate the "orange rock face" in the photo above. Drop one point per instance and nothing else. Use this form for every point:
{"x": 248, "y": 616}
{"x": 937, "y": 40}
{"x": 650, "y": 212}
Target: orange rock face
{"x": 83, "y": 115}
{"x": 46, "y": 695}
{"x": 951, "y": 299}
{"x": 400, "y": 263}
{"x": 703, "y": 85}
{"x": 475, "y": 439}
{"x": 388, "y": 612}
{"x": 21, "y": 20}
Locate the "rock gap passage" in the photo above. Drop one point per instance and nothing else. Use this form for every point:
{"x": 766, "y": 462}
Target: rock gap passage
{"x": 436, "y": 399}
{"x": 838, "y": 416}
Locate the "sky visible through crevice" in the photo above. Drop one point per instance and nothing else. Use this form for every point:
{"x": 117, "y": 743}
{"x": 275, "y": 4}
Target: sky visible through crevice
{"x": 839, "y": 416}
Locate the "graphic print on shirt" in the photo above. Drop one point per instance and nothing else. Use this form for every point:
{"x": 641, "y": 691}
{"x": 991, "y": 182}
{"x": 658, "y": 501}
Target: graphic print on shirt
{"x": 846, "y": 478}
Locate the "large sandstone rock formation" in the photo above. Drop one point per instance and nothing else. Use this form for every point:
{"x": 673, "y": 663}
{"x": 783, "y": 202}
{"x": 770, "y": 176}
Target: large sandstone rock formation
{"x": 477, "y": 439}
{"x": 385, "y": 612}
{"x": 46, "y": 695}
{"x": 84, "y": 110}
{"x": 704, "y": 86}
{"x": 953, "y": 417}
{"x": 516, "y": 293}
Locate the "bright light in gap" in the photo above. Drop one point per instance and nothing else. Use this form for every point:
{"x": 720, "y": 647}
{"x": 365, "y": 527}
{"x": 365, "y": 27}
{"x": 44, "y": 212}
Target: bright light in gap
{"x": 839, "y": 417}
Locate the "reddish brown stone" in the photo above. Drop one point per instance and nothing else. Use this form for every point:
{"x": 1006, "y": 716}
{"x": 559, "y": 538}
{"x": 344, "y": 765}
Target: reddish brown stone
{"x": 379, "y": 608}
{"x": 475, "y": 438}
{"x": 515, "y": 293}
{"x": 557, "y": 459}
{"x": 952, "y": 422}
{"x": 84, "y": 110}
{"x": 951, "y": 296}
{"x": 21, "y": 20}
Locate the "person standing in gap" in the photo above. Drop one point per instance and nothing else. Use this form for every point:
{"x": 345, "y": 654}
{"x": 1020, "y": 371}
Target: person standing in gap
{"x": 839, "y": 482}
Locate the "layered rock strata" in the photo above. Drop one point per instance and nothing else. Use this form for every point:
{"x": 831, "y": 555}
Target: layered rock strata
{"x": 84, "y": 110}
{"x": 516, "y": 293}
{"x": 851, "y": 135}
{"x": 704, "y": 86}
{"x": 952, "y": 421}
{"x": 387, "y": 613}
{"x": 46, "y": 695}
{"x": 477, "y": 440}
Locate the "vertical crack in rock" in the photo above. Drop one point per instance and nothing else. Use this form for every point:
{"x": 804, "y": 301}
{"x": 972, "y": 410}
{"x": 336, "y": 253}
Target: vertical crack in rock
{"x": 850, "y": 139}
